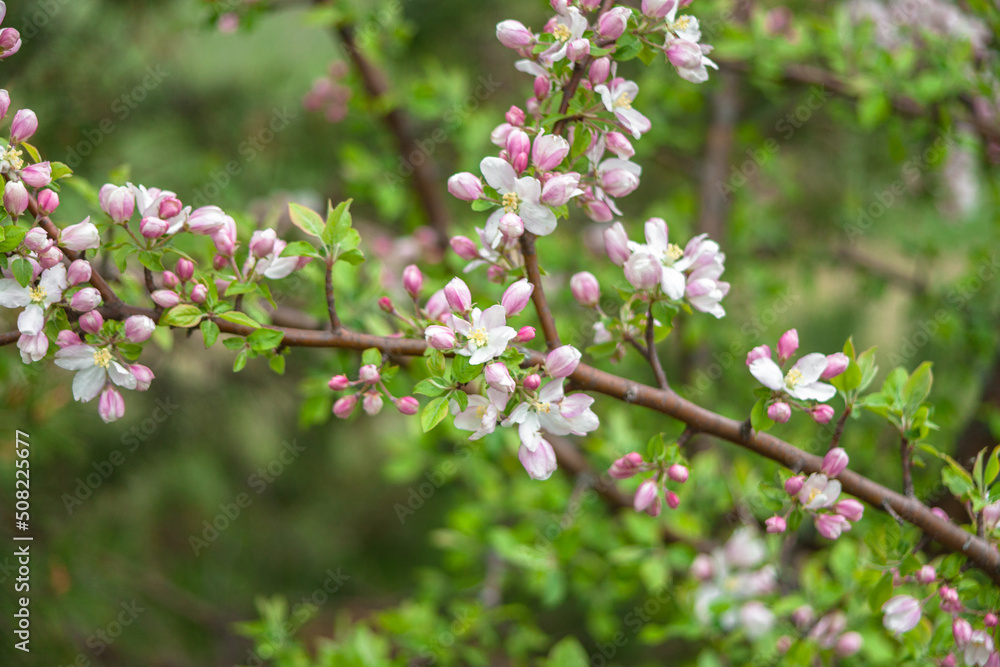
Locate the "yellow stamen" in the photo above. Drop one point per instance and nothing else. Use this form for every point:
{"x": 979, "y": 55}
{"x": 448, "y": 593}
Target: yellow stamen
{"x": 623, "y": 101}
{"x": 479, "y": 337}
{"x": 681, "y": 24}
{"x": 37, "y": 294}
{"x": 12, "y": 156}
{"x": 812, "y": 495}
{"x": 562, "y": 32}
{"x": 511, "y": 202}
{"x": 102, "y": 357}
{"x": 538, "y": 406}
{"x": 674, "y": 252}
{"x": 794, "y": 377}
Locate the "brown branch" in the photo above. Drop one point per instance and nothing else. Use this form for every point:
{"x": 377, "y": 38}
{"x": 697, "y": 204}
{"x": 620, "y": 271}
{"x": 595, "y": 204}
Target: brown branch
{"x": 651, "y": 354}
{"x": 904, "y": 454}
{"x": 331, "y": 306}
{"x": 839, "y": 430}
{"x": 538, "y": 294}
{"x": 426, "y": 184}
{"x": 9, "y": 337}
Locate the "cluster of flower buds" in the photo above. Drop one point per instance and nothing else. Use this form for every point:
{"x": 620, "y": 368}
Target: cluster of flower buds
{"x": 651, "y": 494}
{"x": 829, "y": 632}
{"x": 176, "y": 286}
{"x": 329, "y": 95}
{"x": 802, "y": 385}
{"x": 818, "y": 495}
{"x": 660, "y": 269}
{"x": 370, "y": 388}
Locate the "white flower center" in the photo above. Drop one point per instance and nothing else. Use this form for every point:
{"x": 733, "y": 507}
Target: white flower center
{"x": 102, "y": 357}
{"x": 541, "y": 406}
{"x": 511, "y": 202}
{"x": 12, "y": 156}
{"x": 562, "y": 32}
{"x": 624, "y": 101}
{"x": 793, "y": 378}
{"x": 681, "y": 24}
{"x": 38, "y": 294}
{"x": 813, "y": 492}
{"x": 674, "y": 252}
{"x": 480, "y": 411}
{"x": 479, "y": 337}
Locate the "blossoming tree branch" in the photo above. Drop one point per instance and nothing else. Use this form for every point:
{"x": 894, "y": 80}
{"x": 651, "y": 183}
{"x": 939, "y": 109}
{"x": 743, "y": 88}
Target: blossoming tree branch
{"x": 90, "y": 294}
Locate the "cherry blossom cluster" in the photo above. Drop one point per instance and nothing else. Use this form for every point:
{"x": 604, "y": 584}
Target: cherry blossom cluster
{"x": 976, "y": 645}
{"x": 329, "y": 95}
{"x": 818, "y": 496}
{"x": 829, "y": 632}
{"x": 801, "y": 386}
{"x": 648, "y": 496}
{"x": 370, "y": 387}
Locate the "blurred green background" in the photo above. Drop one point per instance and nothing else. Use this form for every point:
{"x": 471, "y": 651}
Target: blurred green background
{"x": 183, "y": 99}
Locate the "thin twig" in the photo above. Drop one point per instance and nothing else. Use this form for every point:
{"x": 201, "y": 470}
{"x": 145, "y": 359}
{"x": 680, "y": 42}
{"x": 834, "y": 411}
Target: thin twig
{"x": 538, "y": 294}
{"x": 839, "y": 430}
{"x": 331, "y": 307}
{"x": 651, "y": 354}
{"x": 904, "y": 453}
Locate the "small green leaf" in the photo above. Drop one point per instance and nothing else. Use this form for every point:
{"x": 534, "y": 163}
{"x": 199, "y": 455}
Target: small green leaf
{"x": 372, "y": 356}
{"x": 431, "y": 387}
{"x": 185, "y": 315}
{"x": 880, "y": 594}
{"x": 758, "y": 416}
{"x": 265, "y": 339}
{"x": 435, "y": 362}
{"x": 235, "y": 289}
{"x": 481, "y": 205}
{"x": 234, "y": 343}
{"x": 277, "y": 364}
{"x": 353, "y": 257}
{"x": 461, "y": 398}
{"x": 463, "y": 370}
{"x": 567, "y": 653}
{"x": 338, "y": 221}
{"x": 21, "y": 269}
{"x": 917, "y": 387}
{"x": 301, "y": 249}
{"x": 59, "y": 170}
{"x": 32, "y": 151}
{"x": 210, "y": 332}
{"x": 12, "y": 237}
{"x": 236, "y": 317}
{"x": 433, "y": 413}
{"x": 993, "y": 466}
{"x": 150, "y": 261}
{"x": 241, "y": 360}
{"x": 305, "y": 219}
{"x": 628, "y": 47}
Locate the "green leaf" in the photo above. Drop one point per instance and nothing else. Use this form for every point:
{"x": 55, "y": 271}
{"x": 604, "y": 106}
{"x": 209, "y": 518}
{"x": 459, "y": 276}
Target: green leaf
{"x": 265, "y": 339}
{"x": 431, "y": 387}
{"x": 301, "y": 249}
{"x": 849, "y": 379}
{"x": 210, "y": 332}
{"x": 241, "y": 360}
{"x": 21, "y": 269}
{"x": 59, "y": 170}
{"x": 306, "y": 219}
{"x": 993, "y": 466}
{"x": 353, "y": 257}
{"x": 866, "y": 362}
{"x": 435, "y": 362}
{"x": 893, "y": 385}
{"x": 234, "y": 343}
{"x": 917, "y": 387}
{"x": 338, "y": 221}
{"x": 372, "y": 356}
{"x": 433, "y": 413}
{"x": 461, "y": 398}
{"x": 236, "y": 317}
{"x": 481, "y": 205}
{"x": 873, "y": 109}
{"x": 32, "y": 151}
{"x": 758, "y": 416}
{"x": 150, "y": 261}
{"x": 234, "y": 289}
{"x": 12, "y": 237}
{"x": 568, "y": 653}
{"x": 185, "y": 315}
{"x": 463, "y": 370}
{"x": 880, "y": 594}
{"x": 277, "y": 364}
{"x": 628, "y": 47}
{"x": 957, "y": 480}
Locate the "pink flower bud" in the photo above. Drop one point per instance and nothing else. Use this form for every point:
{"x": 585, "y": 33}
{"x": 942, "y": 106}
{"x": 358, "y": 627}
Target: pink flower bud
{"x": 79, "y": 271}
{"x": 549, "y": 151}
{"x": 498, "y": 137}
{"x": 618, "y": 144}
{"x": 831, "y": 526}
{"x": 117, "y": 202}
{"x": 645, "y": 495}
{"x": 437, "y": 306}
{"x": 170, "y": 280}
{"x": 787, "y": 344}
{"x": 91, "y": 322}
{"x": 372, "y": 404}
{"x": 616, "y": 244}
{"x": 612, "y": 24}
{"x": 525, "y": 334}
{"x": 589, "y": 5}
{"x": 657, "y": 9}
{"x": 683, "y": 54}
{"x": 498, "y": 377}
{"x": 673, "y": 500}
{"x": 37, "y": 175}
{"x": 794, "y": 484}
{"x": 81, "y": 236}
{"x": 678, "y": 473}
{"x": 385, "y": 303}
{"x": 776, "y": 524}
{"x": 950, "y": 601}
{"x": 643, "y": 271}
{"x": 37, "y": 240}
{"x": 67, "y": 338}
{"x": 408, "y": 405}
{"x": 949, "y": 661}
{"x": 702, "y": 567}
{"x": 990, "y": 619}
{"x": 542, "y": 87}
{"x": 822, "y": 414}
{"x": 962, "y": 631}
{"x": 514, "y": 35}
{"x": 834, "y": 462}
{"x": 516, "y": 297}
{"x": 169, "y": 207}
{"x": 559, "y": 189}
{"x": 597, "y": 210}
{"x": 848, "y": 644}
{"x": 165, "y": 298}
{"x": 225, "y": 237}
{"x": 85, "y": 300}
{"x": 618, "y": 182}
{"x": 413, "y": 280}
{"x": 599, "y": 70}
{"x": 532, "y": 382}
{"x": 15, "y": 198}
{"x": 779, "y": 411}
{"x": 586, "y": 290}
{"x": 626, "y": 466}
{"x": 339, "y": 382}
{"x": 4, "y": 103}
{"x": 204, "y": 220}
{"x": 465, "y": 186}
{"x": 926, "y": 575}
{"x": 185, "y": 269}
{"x": 511, "y": 226}
{"x": 23, "y": 126}
{"x": 48, "y": 201}
{"x": 262, "y": 242}
{"x": 562, "y": 361}
{"x": 850, "y": 509}
{"x": 515, "y": 116}
{"x": 458, "y": 295}
{"x": 343, "y": 407}
{"x": 138, "y": 328}
{"x": 111, "y": 405}
{"x": 50, "y": 257}
{"x": 759, "y": 352}
{"x": 439, "y": 337}
{"x": 369, "y": 374}
{"x": 518, "y": 143}
{"x": 464, "y": 247}
{"x": 143, "y": 376}
{"x": 199, "y": 293}
{"x": 940, "y": 513}
{"x": 835, "y": 365}
{"x": 10, "y": 42}
{"x": 220, "y": 262}
{"x": 578, "y": 49}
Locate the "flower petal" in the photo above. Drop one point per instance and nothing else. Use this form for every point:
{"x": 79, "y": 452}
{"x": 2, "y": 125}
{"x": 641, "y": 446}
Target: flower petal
{"x": 13, "y": 295}
{"x": 121, "y": 376}
{"x": 87, "y": 384}
{"x": 75, "y": 357}
{"x": 499, "y": 174}
{"x": 768, "y": 374}
{"x": 31, "y": 320}
{"x": 538, "y": 218}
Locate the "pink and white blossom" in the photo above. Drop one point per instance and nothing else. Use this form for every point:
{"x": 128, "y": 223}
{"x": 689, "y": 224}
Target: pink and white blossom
{"x": 94, "y": 367}
{"x": 618, "y": 100}
{"x": 486, "y": 334}
{"x": 802, "y": 380}
{"x": 518, "y": 195}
